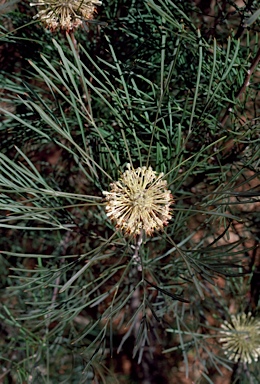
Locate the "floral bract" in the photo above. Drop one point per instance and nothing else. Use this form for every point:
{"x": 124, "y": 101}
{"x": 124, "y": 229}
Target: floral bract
{"x": 241, "y": 338}
{"x": 65, "y": 14}
{"x": 139, "y": 201}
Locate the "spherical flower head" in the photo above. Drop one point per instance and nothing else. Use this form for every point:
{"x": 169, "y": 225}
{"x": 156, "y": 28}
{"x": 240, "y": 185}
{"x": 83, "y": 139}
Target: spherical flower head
{"x": 241, "y": 338}
{"x": 138, "y": 201}
{"x": 65, "y": 14}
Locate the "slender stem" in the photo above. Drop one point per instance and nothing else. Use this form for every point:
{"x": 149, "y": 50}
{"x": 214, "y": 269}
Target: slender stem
{"x": 137, "y": 266}
{"x": 74, "y": 41}
{"x": 84, "y": 96}
{"x": 136, "y": 257}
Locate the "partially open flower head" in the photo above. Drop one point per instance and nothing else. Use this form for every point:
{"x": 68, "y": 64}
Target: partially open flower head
{"x": 65, "y": 14}
{"x": 139, "y": 201}
{"x": 241, "y": 338}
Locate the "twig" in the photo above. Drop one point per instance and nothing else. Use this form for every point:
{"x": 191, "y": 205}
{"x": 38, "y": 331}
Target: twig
{"x": 146, "y": 362}
{"x": 136, "y": 300}
{"x": 136, "y": 256}
{"x": 243, "y": 88}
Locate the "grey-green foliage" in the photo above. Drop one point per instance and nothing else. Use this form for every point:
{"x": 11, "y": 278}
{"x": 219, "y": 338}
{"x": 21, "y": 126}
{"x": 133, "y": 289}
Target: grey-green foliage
{"x": 75, "y": 294}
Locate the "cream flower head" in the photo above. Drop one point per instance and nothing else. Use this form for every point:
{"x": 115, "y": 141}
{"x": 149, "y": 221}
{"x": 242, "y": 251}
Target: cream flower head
{"x": 241, "y": 338}
{"x": 65, "y": 14}
{"x": 139, "y": 201}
